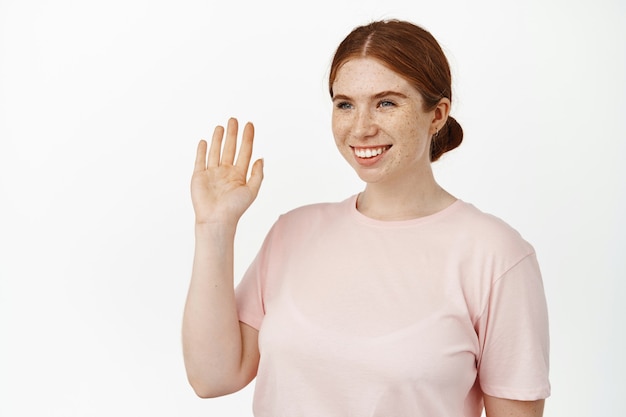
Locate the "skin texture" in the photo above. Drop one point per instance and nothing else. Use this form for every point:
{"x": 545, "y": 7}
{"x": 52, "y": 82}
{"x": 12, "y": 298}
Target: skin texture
{"x": 374, "y": 107}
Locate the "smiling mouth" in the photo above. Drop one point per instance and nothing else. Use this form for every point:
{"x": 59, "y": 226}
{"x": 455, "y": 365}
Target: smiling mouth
{"x": 367, "y": 153}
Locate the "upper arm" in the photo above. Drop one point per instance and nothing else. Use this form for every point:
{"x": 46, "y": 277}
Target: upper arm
{"x": 513, "y": 333}
{"x": 501, "y": 407}
{"x": 249, "y": 353}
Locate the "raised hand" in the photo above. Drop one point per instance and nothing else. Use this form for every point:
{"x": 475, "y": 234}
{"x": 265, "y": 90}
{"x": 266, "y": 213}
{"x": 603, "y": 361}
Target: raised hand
{"x": 220, "y": 188}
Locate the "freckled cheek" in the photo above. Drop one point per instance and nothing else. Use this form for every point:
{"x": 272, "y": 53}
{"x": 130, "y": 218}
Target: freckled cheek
{"x": 340, "y": 128}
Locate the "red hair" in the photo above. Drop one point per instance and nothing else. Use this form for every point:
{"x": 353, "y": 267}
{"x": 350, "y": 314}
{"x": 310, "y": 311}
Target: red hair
{"x": 414, "y": 54}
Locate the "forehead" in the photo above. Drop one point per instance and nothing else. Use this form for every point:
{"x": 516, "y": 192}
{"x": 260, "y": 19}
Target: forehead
{"x": 368, "y": 75}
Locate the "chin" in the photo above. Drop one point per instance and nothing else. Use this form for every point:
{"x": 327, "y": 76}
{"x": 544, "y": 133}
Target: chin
{"x": 369, "y": 177}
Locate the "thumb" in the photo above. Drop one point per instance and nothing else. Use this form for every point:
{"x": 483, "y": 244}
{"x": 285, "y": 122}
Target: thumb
{"x": 256, "y": 176}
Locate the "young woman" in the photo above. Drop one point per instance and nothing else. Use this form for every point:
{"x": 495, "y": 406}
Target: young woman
{"x": 400, "y": 300}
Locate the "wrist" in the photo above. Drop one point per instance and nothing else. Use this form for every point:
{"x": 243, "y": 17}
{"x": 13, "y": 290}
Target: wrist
{"x": 215, "y": 229}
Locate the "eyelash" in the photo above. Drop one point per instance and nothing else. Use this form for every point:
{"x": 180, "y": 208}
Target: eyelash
{"x": 344, "y": 105}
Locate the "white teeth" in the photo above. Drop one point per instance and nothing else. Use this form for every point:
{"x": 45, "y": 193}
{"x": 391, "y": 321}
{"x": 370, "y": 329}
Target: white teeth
{"x": 369, "y": 152}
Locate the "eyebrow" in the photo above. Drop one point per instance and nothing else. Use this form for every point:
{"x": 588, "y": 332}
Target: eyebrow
{"x": 375, "y": 96}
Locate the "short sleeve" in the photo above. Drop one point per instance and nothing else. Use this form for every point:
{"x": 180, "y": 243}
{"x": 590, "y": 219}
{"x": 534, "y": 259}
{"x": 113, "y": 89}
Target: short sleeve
{"x": 249, "y": 293}
{"x": 249, "y": 298}
{"x": 514, "y": 337}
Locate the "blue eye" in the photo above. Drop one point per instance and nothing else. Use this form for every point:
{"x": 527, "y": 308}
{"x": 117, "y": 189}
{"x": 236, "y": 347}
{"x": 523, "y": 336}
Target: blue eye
{"x": 344, "y": 105}
{"x": 386, "y": 103}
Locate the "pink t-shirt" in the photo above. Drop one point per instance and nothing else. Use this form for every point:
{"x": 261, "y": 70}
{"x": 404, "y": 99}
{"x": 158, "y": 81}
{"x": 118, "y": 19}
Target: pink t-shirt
{"x": 367, "y": 318}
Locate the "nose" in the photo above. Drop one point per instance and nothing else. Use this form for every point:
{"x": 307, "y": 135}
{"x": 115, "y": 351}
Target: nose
{"x": 364, "y": 124}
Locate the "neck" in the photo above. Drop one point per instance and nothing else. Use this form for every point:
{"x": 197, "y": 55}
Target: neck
{"x": 409, "y": 200}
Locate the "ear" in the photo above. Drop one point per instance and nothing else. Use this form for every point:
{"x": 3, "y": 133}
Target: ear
{"x": 440, "y": 115}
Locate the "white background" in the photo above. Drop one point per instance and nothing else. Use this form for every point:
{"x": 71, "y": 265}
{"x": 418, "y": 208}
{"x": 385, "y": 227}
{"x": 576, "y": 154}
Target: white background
{"x": 101, "y": 107}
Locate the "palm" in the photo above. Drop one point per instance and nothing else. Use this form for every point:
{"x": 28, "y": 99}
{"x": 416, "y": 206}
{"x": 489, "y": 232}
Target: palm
{"x": 220, "y": 189}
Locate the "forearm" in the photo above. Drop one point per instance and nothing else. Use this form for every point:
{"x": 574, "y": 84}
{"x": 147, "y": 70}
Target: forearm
{"x": 212, "y": 344}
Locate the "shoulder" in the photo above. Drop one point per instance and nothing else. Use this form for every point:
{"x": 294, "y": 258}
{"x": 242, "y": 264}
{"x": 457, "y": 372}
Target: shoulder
{"x": 299, "y": 226}
{"x": 489, "y": 225}
{"x": 489, "y": 233}
{"x": 312, "y": 215}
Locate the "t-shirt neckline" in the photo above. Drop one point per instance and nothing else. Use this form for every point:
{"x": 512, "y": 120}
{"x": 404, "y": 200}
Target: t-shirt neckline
{"x": 362, "y": 218}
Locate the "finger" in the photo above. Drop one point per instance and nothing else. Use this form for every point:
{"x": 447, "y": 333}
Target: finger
{"x": 230, "y": 146}
{"x": 200, "y": 157}
{"x": 216, "y": 146}
{"x": 245, "y": 151}
{"x": 256, "y": 177}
